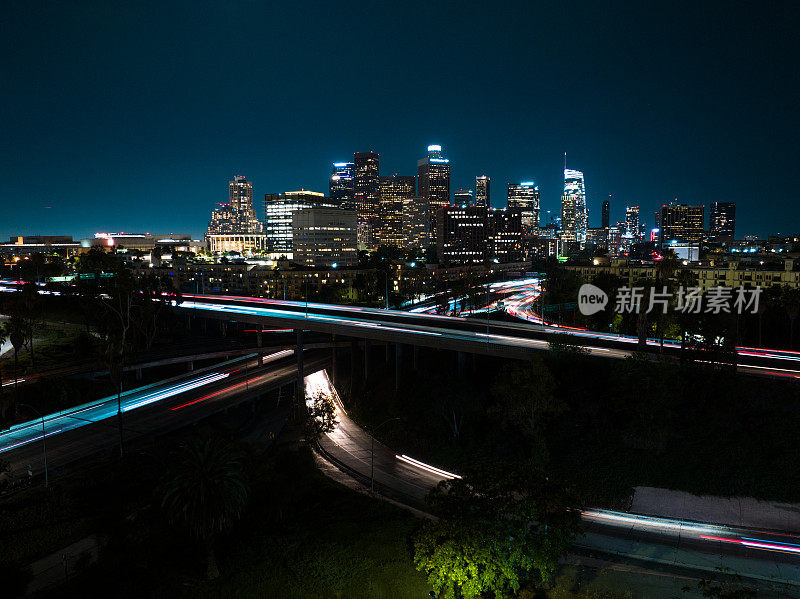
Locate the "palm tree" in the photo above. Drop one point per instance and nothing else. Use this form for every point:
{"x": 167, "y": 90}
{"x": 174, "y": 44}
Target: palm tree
{"x": 206, "y": 493}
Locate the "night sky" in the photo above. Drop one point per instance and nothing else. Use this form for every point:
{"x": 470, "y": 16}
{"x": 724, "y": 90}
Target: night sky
{"x": 134, "y": 116}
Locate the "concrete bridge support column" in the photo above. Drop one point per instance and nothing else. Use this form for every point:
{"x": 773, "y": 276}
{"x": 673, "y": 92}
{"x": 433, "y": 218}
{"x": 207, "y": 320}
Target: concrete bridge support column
{"x": 367, "y": 351}
{"x": 462, "y": 363}
{"x": 259, "y": 336}
{"x": 222, "y": 328}
{"x": 398, "y": 364}
{"x": 190, "y": 366}
{"x": 138, "y": 374}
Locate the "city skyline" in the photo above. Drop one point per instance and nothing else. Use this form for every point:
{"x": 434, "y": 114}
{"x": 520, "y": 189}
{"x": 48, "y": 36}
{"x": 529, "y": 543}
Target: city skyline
{"x": 648, "y": 124}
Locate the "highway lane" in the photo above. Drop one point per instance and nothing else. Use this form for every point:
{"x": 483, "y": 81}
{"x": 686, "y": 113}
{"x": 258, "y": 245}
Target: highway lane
{"x": 151, "y": 410}
{"x": 515, "y": 339}
{"x": 352, "y": 446}
{"x": 761, "y": 555}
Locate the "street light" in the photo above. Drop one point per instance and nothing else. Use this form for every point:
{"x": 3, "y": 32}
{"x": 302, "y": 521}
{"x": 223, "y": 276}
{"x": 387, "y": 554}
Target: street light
{"x": 44, "y": 440}
{"x": 372, "y": 454}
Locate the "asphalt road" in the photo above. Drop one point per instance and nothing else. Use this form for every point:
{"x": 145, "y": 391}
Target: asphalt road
{"x": 151, "y": 410}
{"x": 448, "y": 331}
{"x": 771, "y": 557}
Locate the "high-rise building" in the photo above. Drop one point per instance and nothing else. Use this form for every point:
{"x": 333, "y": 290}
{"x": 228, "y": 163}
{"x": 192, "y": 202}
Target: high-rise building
{"x": 525, "y": 196}
{"x": 573, "y": 207}
{"x": 365, "y": 193}
{"x": 341, "y": 185}
{"x": 722, "y": 222}
{"x": 632, "y": 221}
{"x": 392, "y": 191}
{"x": 240, "y": 193}
{"x": 463, "y": 197}
{"x": 433, "y": 173}
{"x": 325, "y": 237}
{"x": 681, "y": 224}
{"x": 416, "y": 222}
{"x": 278, "y": 211}
{"x": 237, "y": 216}
{"x": 483, "y": 188}
{"x": 504, "y": 243}
{"x": 606, "y": 215}
{"x": 461, "y": 234}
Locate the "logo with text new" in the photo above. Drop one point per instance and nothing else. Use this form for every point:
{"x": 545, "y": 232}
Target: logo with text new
{"x": 591, "y": 299}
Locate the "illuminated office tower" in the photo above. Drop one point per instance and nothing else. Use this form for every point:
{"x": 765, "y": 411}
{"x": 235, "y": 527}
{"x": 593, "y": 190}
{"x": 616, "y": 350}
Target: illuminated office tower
{"x": 483, "y": 188}
{"x": 278, "y": 211}
{"x": 525, "y": 196}
{"x": 393, "y": 191}
{"x": 365, "y": 193}
{"x": 606, "y": 215}
{"x": 416, "y": 222}
{"x": 632, "y": 221}
{"x": 722, "y": 221}
{"x": 462, "y": 235}
{"x": 324, "y": 237}
{"x": 463, "y": 197}
{"x": 433, "y": 173}
{"x": 341, "y": 185}
{"x": 573, "y": 207}
{"x": 681, "y": 224}
{"x": 504, "y": 242}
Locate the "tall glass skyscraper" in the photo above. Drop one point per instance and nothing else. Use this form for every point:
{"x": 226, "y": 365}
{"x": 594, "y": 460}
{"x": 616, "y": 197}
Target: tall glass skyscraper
{"x": 574, "y": 217}
{"x": 433, "y": 173}
{"x": 341, "y": 185}
{"x": 365, "y": 193}
{"x": 525, "y": 196}
{"x": 483, "y": 186}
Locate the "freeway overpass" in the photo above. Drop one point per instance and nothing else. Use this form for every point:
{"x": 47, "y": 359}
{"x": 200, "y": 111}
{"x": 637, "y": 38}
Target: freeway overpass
{"x": 156, "y": 409}
{"x": 465, "y": 335}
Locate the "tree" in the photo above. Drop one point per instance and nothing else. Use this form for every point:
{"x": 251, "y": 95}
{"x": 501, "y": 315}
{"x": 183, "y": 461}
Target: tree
{"x": 156, "y": 295}
{"x": 524, "y": 395}
{"x": 28, "y": 306}
{"x": 206, "y": 493}
{"x": 320, "y": 417}
{"x": 498, "y": 528}
{"x": 117, "y": 304}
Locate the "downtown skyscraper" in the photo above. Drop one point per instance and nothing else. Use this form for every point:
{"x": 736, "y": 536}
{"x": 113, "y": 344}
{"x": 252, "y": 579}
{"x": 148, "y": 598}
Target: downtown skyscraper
{"x": 365, "y": 194}
{"x": 393, "y": 192}
{"x": 574, "y": 217}
{"x": 525, "y": 196}
{"x": 238, "y": 216}
{"x": 483, "y": 188}
{"x": 341, "y": 185}
{"x": 722, "y": 222}
{"x": 433, "y": 174}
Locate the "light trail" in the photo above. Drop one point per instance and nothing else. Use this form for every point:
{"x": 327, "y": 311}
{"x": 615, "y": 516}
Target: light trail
{"x": 59, "y": 422}
{"x": 427, "y": 467}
